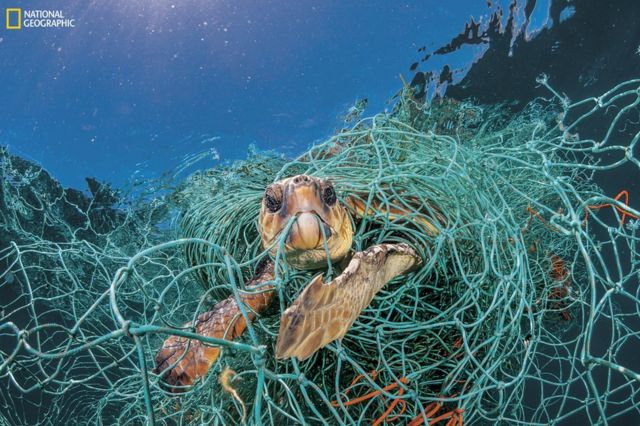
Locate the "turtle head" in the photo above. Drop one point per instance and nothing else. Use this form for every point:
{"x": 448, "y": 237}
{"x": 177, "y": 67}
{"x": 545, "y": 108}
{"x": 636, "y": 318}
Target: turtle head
{"x": 317, "y": 212}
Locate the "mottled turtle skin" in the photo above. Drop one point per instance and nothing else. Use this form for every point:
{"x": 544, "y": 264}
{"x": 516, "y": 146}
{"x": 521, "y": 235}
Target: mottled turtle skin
{"x": 323, "y": 312}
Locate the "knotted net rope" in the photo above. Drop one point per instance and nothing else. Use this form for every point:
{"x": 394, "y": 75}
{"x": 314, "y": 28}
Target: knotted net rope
{"x": 525, "y": 308}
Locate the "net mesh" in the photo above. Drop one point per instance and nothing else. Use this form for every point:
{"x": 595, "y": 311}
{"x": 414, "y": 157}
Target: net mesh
{"x": 525, "y": 308}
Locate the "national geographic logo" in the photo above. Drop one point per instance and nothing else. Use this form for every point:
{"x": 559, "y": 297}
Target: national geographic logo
{"x": 17, "y": 19}
{"x": 14, "y": 18}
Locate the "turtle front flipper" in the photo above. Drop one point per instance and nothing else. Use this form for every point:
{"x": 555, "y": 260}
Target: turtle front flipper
{"x": 182, "y": 361}
{"x": 423, "y": 213}
{"x": 325, "y": 312}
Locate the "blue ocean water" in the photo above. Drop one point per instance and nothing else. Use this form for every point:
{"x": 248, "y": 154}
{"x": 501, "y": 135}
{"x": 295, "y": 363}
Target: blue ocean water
{"x": 136, "y": 85}
{"x": 134, "y": 88}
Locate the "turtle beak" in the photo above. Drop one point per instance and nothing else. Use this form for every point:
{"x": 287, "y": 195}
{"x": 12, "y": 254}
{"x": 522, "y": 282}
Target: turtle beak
{"x": 306, "y": 232}
{"x": 302, "y": 199}
{"x": 321, "y": 231}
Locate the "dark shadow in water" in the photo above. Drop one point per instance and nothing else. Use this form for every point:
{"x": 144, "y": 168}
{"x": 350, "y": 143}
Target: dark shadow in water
{"x": 583, "y": 55}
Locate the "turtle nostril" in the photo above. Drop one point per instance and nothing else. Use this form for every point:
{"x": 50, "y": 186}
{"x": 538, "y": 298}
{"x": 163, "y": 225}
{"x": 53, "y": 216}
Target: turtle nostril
{"x": 301, "y": 179}
{"x": 327, "y": 231}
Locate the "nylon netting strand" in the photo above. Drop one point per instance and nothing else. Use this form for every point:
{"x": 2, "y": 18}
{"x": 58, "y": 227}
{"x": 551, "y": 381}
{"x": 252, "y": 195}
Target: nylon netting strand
{"x": 525, "y": 308}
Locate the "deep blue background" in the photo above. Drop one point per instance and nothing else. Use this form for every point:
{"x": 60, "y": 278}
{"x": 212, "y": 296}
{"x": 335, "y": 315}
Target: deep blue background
{"x": 139, "y": 84}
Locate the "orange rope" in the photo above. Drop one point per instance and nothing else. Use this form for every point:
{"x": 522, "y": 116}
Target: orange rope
{"x": 444, "y": 416}
{"x": 624, "y": 193}
{"x": 532, "y": 214}
{"x": 559, "y": 271}
{"x": 454, "y": 416}
{"x": 430, "y": 410}
{"x": 390, "y": 409}
{"x": 373, "y": 374}
{"x": 456, "y": 420}
{"x": 374, "y": 394}
{"x": 402, "y": 410}
{"x": 370, "y": 394}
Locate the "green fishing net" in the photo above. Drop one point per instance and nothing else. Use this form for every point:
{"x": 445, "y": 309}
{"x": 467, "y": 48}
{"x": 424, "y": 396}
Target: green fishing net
{"x": 525, "y": 308}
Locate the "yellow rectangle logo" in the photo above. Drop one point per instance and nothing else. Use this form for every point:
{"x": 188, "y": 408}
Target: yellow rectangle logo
{"x": 14, "y": 14}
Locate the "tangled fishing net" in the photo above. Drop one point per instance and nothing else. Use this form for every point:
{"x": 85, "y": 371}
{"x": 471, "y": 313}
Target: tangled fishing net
{"x": 525, "y": 308}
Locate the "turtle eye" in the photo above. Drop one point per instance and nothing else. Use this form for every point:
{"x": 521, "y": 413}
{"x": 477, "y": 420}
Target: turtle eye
{"x": 272, "y": 203}
{"x": 329, "y": 195}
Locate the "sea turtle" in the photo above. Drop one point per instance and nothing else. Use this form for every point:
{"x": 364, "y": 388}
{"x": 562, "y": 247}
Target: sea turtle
{"x": 305, "y": 213}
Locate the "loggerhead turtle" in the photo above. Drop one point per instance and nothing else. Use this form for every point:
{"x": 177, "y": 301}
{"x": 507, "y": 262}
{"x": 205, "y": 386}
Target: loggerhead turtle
{"x": 305, "y": 213}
